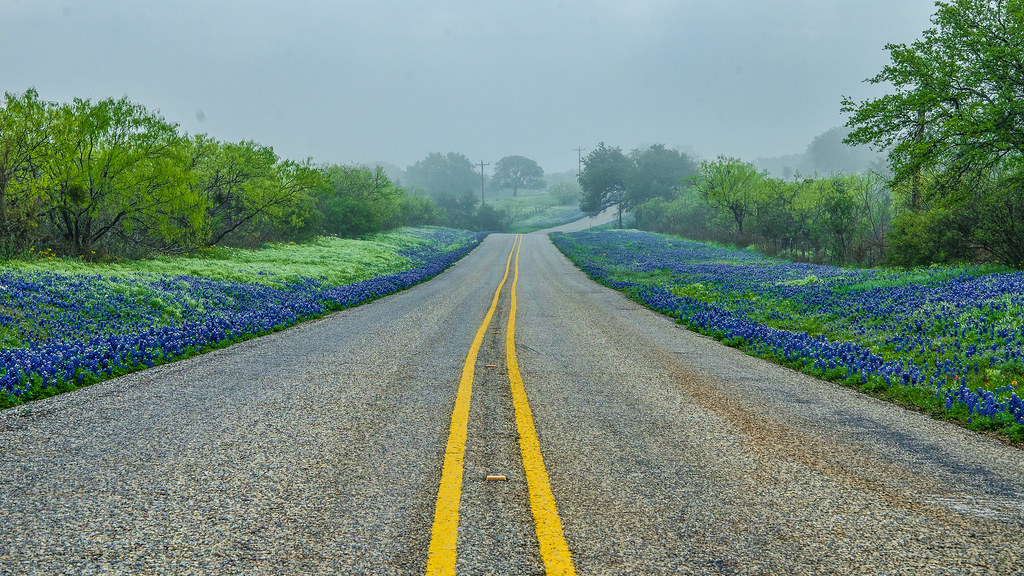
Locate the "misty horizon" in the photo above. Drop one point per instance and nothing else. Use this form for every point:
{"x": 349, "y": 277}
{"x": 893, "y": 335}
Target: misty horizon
{"x": 394, "y": 81}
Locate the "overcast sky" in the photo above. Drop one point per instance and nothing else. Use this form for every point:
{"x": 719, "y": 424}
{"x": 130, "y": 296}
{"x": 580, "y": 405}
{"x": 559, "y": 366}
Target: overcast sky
{"x": 391, "y": 80}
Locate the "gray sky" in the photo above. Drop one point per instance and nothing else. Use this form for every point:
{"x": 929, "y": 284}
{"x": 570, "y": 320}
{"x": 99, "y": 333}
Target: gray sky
{"x": 392, "y": 80}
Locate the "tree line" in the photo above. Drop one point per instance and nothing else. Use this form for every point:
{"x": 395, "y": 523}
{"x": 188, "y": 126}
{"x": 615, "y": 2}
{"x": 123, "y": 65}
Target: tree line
{"x": 840, "y": 218}
{"x": 110, "y": 178}
{"x": 953, "y": 189}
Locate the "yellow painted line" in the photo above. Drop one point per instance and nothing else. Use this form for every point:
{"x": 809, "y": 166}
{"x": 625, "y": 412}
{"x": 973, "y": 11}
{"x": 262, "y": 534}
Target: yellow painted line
{"x": 445, "y": 534}
{"x": 554, "y": 552}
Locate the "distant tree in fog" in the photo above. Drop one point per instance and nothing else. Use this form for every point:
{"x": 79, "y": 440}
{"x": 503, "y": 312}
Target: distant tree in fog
{"x": 443, "y": 174}
{"x": 830, "y": 154}
{"x": 517, "y": 172}
{"x": 656, "y": 172}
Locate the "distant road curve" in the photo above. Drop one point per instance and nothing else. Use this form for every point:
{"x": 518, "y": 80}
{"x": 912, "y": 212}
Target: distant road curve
{"x": 605, "y": 217}
{"x": 319, "y": 450}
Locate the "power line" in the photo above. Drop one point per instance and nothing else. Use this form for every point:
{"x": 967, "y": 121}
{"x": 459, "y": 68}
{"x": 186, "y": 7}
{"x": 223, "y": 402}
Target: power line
{"x": 579, "y": 160}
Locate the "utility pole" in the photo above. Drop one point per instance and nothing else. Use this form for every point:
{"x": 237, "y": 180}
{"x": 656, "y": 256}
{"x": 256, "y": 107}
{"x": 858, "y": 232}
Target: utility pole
{"x": 579, "y": 160}
{"x": 482, "y": 164}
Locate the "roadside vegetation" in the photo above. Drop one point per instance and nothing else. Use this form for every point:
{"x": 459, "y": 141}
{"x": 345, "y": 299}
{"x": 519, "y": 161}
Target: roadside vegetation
{"x": 950, "y": 192}
{"x": 109, "y": 179}
{"x": 125, "y": 243}
{"x": 947, "y": 341}
{"x": 66, "y": 324}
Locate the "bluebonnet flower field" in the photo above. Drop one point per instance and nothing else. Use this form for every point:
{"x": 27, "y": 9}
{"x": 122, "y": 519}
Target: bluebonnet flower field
{"x": 82, "y": 323}
{"x": 949, "y": 341}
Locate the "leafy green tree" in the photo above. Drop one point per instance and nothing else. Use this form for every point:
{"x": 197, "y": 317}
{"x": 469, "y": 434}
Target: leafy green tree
{"x": 925, "y": 237}
{"x": 657, "y": 171}
{"x": 837, "y": 218}
{"x": 441, "y": 174}
{"x": 24, "y": 140}
{"x": 418, "y": 210}
{"x": 606, "y": 173}
{"x": 731, "y": 185}
{"x": 228, "y": 176}
{"x": 687, "y": 214}
{"x": 517, "y": 172}
{"x": 289, "y": 210}
{"x": 957, "y": 103}
{"x": 952, "y": 124}
{"x": 115, "y": 172}
{"x": 360, "y": 201}
{"x": 250, "y": 195}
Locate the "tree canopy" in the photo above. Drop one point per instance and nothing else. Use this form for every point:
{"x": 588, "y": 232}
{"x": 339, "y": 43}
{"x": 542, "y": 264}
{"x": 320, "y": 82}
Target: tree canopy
{"x": 606, "y": 170}
{"x": 958, "y": 104}
{"x": 657, "y": 171}
{"x": 517, "y": 172}
{"x": 953, "y": 124}
{"x": 611, "y": 178}
{"x": 443, "y": 174}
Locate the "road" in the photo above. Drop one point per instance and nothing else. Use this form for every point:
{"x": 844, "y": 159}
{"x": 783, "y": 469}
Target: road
{"x": 320, "y": 449}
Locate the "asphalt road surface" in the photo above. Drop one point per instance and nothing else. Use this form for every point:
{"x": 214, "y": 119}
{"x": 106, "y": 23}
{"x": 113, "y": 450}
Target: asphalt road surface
{"x": 319, "y": 450}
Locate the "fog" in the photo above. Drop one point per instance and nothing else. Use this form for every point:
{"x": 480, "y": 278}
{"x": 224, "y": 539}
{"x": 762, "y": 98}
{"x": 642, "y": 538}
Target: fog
{"x": 393, "y": 80}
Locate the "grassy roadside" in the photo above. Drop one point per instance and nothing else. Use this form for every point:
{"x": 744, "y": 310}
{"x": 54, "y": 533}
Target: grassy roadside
{"x": 66, "y": 324}
{"x": 536, "y": 212}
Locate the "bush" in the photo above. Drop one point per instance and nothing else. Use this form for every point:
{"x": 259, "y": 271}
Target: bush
{"x": 927, "y": 237}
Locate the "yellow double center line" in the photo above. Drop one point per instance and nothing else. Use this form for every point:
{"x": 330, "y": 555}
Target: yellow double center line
{"x": 554, "y": 551}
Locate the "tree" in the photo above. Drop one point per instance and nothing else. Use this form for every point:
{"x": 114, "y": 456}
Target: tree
{"x": 360, "y": 201}
{"x": 656, "y": 172}
{"x": 517, "y": 172}
{"x": 115, "y": 170}
{"x": 731, "y": 185}
{"x": 955, "y": 116}
{"x": 249, "y": 194}
{"x": 606, "y": 171}
{"x": 443, "y": 174}
{"x": 830, "y": 154}
{"x": 24, "y": 140}
{"x": 959, "y": 100}
{"x": 229, "y": 177}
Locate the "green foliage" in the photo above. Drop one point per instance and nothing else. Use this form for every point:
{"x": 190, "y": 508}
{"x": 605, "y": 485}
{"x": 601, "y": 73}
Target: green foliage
{"x": 111, "y": 172}
{"x": 442, "y": 175}
{"x": 731, "y": 185}
{"x": 957, "y": 100}
{"x": 657, "y": 173}
{"x": 23, "y": 141}
{"x": 841, "y": 219}
{"x": 924, "y": 238}
{"x": 687, "y": 214}
{"x": 952, "y": 125}
{"x": 359, "y": 202}
{"x": 111, "y": 179}
{"x": 606, "y": 170}
{"x": 517, "y": 172}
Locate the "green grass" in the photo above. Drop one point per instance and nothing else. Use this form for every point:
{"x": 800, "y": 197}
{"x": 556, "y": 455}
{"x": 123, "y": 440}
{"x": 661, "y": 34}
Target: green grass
{"x": 336, "y": 261}
{"x": 537, "y": 211}
{"x": 547, "y": 218}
